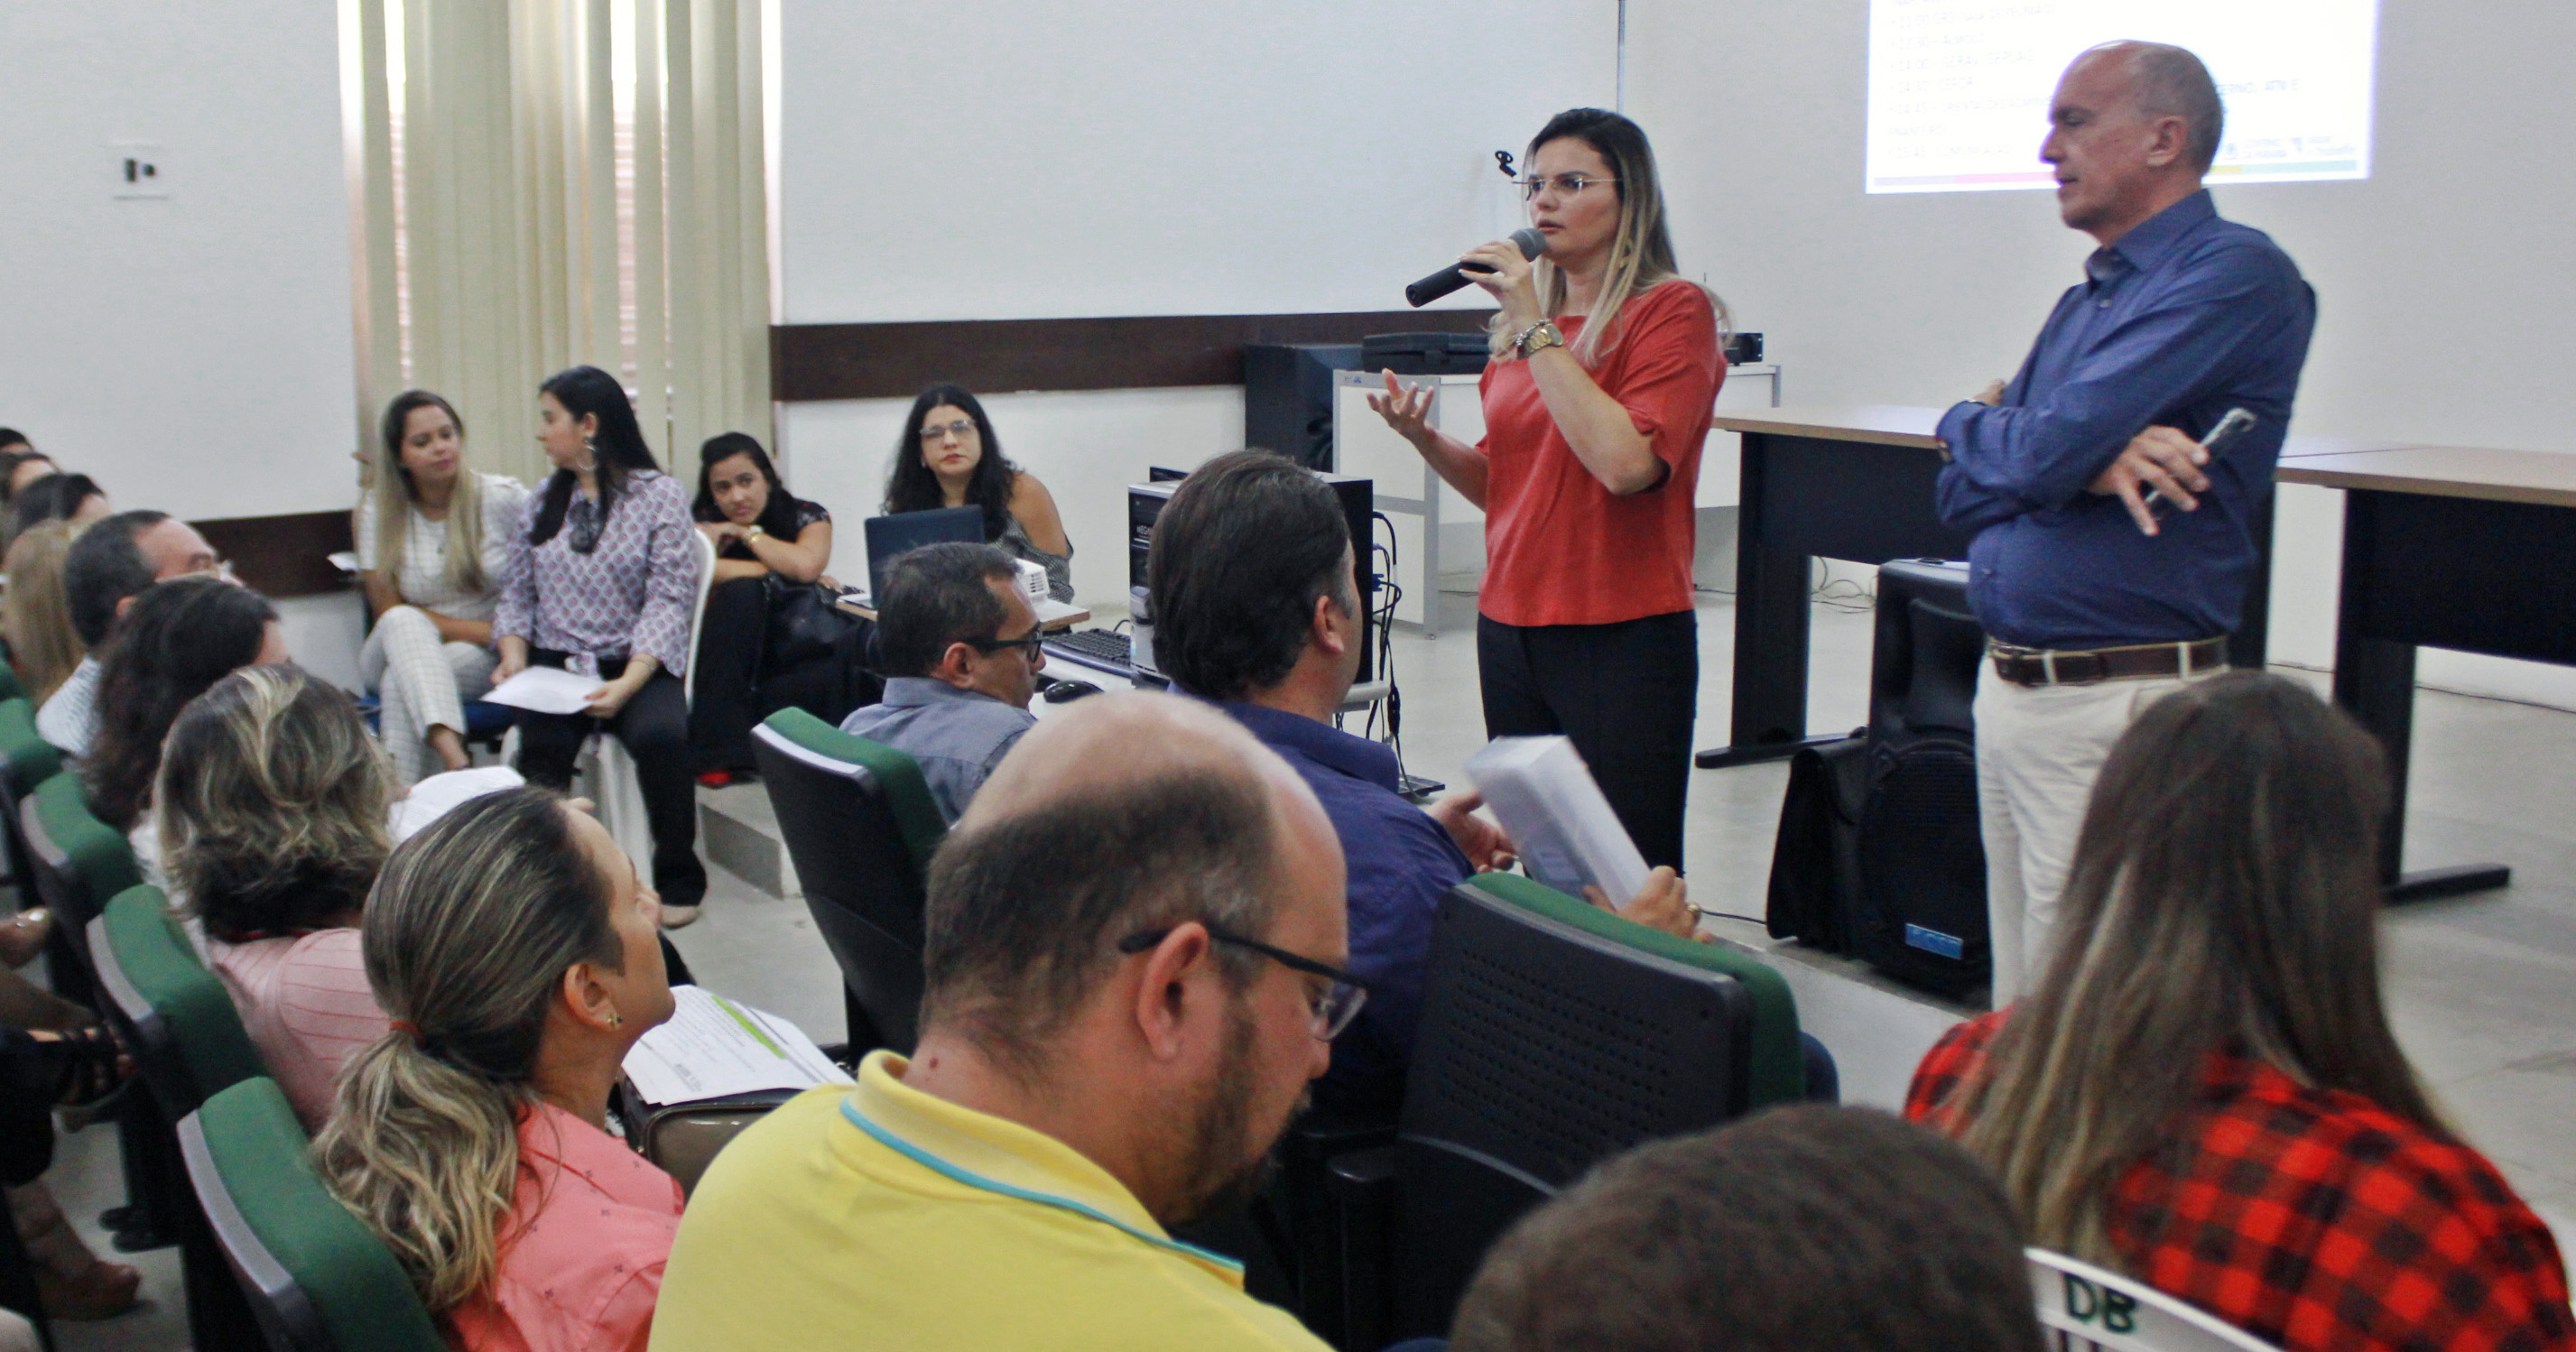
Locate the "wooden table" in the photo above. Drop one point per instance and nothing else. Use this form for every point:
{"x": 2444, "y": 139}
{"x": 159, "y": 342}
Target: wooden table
{"x": 1841, "y": 483}
{"x": 2443, "y": 547}
{"x": 1856, "y": 482}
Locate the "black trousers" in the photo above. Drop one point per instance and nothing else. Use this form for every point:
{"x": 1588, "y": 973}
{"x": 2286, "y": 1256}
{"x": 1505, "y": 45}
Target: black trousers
{"x": 654, "y": 725}
{"x": 728, "y": 665}
{"x": 1625, "y": 693}
{"x": 736, "y": 687}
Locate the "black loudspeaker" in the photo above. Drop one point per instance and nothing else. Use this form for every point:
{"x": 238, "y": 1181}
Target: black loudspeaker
{"x": 1288, "y": 398}
{"x": 1922, "y": 854}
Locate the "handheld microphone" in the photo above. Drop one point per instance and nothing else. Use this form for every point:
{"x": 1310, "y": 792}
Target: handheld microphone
{"x": 1454, "y": 276}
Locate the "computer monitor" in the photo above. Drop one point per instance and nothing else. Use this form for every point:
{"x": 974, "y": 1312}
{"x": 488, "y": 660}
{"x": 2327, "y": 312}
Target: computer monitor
{"x": 889, "y": 536}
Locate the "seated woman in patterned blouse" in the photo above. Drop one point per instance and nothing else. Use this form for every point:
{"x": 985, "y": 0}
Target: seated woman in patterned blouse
{"x": 948, "y": 457}
{"x": 2203, "y": 1091}
{"x": 602, "y": 579}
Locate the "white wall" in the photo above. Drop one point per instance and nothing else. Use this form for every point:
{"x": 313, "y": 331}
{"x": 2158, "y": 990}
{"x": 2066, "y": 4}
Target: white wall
{"x": 192, "y": 354}
{"x": 992, "y": 160}
{"x": 2444, "y": 303}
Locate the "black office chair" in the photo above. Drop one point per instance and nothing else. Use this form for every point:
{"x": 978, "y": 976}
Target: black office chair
{"x": 178, "y": 1020}
{"x": 860, "y": 826}
{"x": 1554, "y": 1035}
{"x": 1922, "y": 858}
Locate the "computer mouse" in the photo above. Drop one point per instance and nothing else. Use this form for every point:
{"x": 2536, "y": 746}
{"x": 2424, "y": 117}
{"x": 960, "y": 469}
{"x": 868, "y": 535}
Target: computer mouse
{"x": 1066, "y": 692}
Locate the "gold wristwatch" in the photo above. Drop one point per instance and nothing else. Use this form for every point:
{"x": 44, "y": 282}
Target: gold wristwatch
{"x": 1538, "y": 338}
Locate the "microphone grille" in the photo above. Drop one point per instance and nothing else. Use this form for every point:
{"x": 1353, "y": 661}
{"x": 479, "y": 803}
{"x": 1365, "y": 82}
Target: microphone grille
{"x": 1531, "y": 241}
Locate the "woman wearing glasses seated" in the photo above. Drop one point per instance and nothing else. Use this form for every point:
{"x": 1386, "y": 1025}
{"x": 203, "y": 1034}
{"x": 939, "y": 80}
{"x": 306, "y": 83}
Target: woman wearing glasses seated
{"x": 1606, "y": 365}
{"x": 602, "y": 580}
{"x": 948, "y": 457}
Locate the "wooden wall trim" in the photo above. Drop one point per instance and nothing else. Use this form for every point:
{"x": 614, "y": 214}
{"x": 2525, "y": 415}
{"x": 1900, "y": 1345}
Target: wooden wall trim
{"x": 286, "y": 555}
{"x": 897, "y": 361}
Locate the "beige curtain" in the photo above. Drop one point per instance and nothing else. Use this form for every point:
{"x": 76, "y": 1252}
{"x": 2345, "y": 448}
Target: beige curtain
{"x": 550, "y": 183}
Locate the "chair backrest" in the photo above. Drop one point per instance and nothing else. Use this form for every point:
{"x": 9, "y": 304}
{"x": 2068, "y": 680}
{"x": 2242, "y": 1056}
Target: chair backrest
{"x": 1555, "y": 1035}
{"x": 2084, "y": 1307}
{"x": 706, "y": 553}
{"x": 173, "y": 1011}
{"x": 860, "y": 826}
{"x": 317, "y": 1278}
{"x": 26, "y": 758}
{"x": 80, "y": 860}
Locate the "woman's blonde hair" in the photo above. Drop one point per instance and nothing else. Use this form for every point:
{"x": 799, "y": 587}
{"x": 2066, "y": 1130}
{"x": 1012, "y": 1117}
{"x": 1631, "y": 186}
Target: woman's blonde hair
{"x": 395, "y": 497}
{"x": 2225, "y": 897}
{"x": 271, "y": 803}
{"x": 36, "y": 616}
{"x": 467, "y": 937}
{"x": 1641, "y": 253}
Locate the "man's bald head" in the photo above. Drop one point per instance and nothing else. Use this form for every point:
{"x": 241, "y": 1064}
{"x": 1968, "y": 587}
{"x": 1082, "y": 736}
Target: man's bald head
{"x": 2162, "y": 80}
{"x": 1120, "y": 815}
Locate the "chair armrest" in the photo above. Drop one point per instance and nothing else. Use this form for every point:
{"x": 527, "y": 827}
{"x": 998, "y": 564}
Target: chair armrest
{"x": 1363, "y": 1190}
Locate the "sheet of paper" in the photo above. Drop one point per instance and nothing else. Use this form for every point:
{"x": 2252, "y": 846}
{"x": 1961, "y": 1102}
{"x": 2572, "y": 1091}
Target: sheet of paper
{"x": 546, "y": 690}
{"x": 717, "y": 1048}
{"x": 1546, "y": 798}
{"x": 440, "y": 794}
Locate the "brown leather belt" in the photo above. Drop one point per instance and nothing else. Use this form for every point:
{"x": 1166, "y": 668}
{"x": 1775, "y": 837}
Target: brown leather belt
{"x": 2034, "y": 666}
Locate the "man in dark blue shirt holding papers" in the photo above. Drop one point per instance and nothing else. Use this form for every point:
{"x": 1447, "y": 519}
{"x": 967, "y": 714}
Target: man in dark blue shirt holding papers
{"x": 2112, "y": 552}
{"x": 1255, "y": 609}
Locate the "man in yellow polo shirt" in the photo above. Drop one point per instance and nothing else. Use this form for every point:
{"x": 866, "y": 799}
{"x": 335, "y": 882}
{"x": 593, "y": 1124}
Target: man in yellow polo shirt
{"x": 1135, "y": 937}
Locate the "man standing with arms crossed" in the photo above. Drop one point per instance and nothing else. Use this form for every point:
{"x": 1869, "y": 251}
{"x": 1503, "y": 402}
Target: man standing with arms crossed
{"x": 2111, "y": 552}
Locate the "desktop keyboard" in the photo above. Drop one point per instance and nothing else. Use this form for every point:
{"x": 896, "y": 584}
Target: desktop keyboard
{"x": 1102, "y": 649}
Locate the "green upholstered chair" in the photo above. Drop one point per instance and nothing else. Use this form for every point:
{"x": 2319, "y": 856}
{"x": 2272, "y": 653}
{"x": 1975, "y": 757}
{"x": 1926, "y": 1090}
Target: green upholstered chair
{"x": 27, "y": 760}
{"x": 1554, "y": 1035}
{"x": 176, "y": 1017}
{"x": 79, "y": 861}
{"x": 172, "y": 1009}
{"x": 860, "y": 826}
{"x": 317, "y": 1278}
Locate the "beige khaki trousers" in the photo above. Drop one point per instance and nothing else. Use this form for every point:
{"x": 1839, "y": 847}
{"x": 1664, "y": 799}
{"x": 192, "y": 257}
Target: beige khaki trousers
{"x": 2038, "y": 751}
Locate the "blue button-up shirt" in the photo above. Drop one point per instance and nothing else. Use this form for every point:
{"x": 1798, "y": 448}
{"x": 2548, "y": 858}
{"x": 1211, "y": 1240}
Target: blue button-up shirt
{"x": 957, "y": 736}
{"x": 1401, "y": 862}
{"x": 2184, "y": 318}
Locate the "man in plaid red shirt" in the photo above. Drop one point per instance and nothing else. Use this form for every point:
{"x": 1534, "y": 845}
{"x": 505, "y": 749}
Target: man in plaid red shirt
{"x": 2314, "y": 1219}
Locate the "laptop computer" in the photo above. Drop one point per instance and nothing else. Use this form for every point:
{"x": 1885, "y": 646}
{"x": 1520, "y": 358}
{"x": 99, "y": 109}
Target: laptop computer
{"x": 889, "y": 536}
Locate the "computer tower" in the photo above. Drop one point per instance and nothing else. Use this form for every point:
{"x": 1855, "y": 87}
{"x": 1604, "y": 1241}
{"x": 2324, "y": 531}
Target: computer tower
{"x": 1288, "y": 398}
{"x": 1359, "y": 508}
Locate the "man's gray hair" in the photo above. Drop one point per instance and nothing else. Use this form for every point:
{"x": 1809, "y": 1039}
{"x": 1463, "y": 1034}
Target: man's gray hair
{"x": 2169, "y": 81}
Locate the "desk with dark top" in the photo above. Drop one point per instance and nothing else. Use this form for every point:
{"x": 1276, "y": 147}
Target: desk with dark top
{"x": 2443, "y": 547}
{"x": 1856, "y": 483}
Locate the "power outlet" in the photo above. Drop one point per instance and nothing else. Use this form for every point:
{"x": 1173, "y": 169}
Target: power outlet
{"x": 141, "y": 173}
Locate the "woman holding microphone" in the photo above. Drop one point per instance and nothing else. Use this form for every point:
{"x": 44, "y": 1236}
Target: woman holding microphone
{"x": 1605, "y": 371}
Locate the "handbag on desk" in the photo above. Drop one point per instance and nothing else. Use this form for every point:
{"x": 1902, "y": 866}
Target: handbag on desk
{"x": 682, "y": 1139}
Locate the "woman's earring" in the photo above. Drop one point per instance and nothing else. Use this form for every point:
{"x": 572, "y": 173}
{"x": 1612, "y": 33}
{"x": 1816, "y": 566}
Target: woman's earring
{"x": 616, "y": 1020}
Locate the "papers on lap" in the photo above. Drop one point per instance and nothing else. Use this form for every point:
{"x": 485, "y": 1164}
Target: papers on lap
{"x": 440, "y": 794}
{"x": 1547, "y": 801}
{"x": 546, "y": 690}
{"x": 715, "y": 1048}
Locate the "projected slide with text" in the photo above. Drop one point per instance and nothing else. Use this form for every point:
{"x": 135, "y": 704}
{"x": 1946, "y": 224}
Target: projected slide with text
{"x": 1959, "y": 89}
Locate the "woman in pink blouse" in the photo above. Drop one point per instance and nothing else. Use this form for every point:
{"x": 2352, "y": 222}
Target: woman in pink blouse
{"x": 518, "y": 954}
{"x": 271, "y": 807}
{"x": 603, "y": 580}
